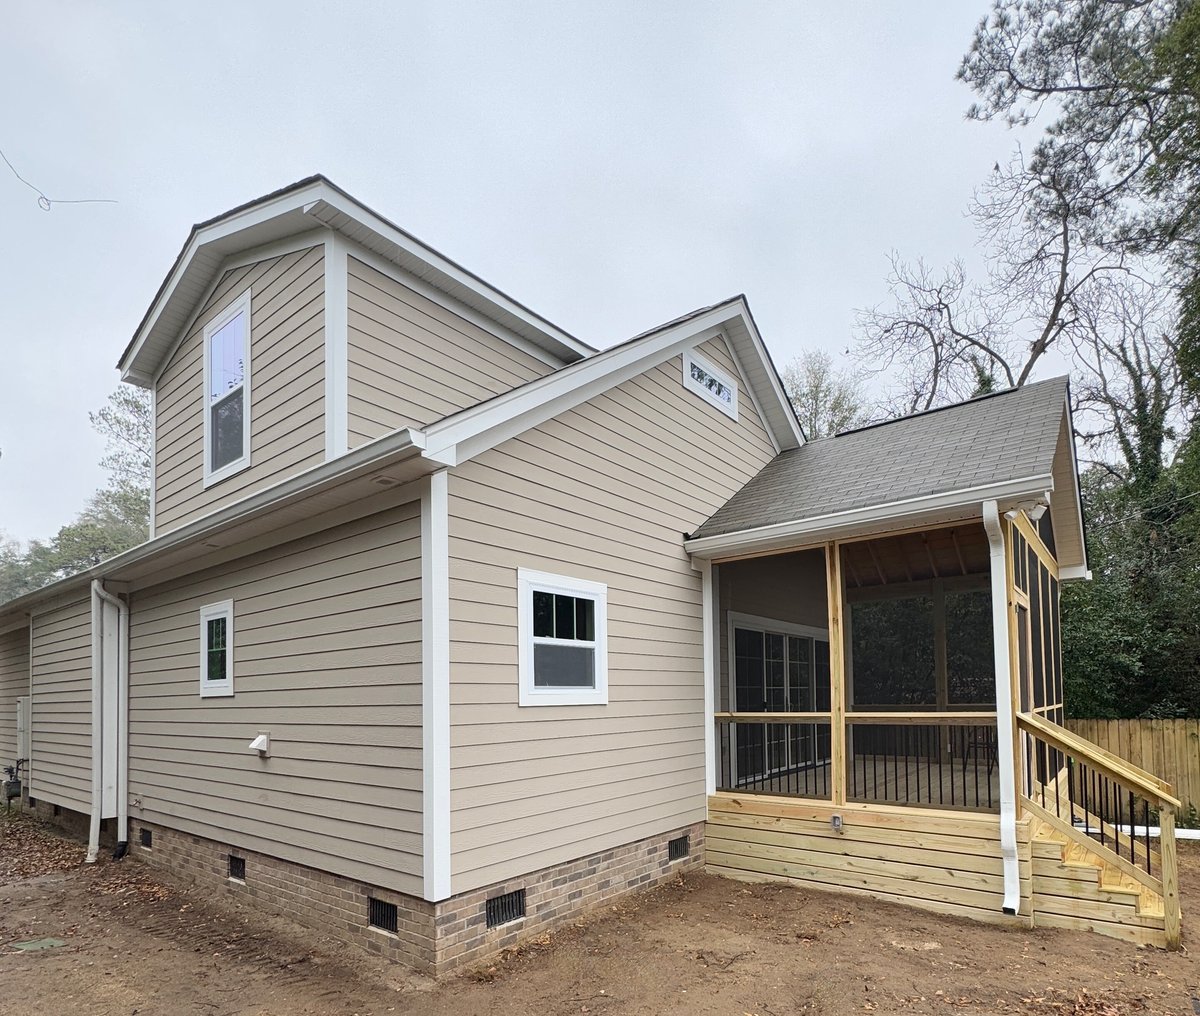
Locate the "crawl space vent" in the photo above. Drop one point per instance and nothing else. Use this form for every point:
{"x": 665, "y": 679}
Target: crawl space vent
{"x": 382, "y": 915}
{"x": 678, "y": 848}
{"x": 505, "y": 909}
{"x": 237, "y": 868}
{"x": 146, "y": 838}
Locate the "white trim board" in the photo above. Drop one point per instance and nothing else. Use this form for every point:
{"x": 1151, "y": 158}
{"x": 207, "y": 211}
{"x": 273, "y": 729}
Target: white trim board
{"x": 469, "y": 432}
{"x": 337, "y": 347}
{"x": 435, "y": 687}
{"x": 783, "y": 535}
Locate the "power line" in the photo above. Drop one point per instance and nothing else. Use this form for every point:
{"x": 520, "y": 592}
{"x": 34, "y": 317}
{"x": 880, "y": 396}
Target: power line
{"x": 1144, "y": 511}
{"x": 44, "y": 202}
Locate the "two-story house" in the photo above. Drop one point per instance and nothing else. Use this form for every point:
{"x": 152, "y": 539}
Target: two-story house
{"x": 451, "y": 627}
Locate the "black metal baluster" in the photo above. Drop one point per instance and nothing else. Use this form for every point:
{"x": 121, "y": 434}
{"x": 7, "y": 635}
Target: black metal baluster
{"x": 1146, "y": 823}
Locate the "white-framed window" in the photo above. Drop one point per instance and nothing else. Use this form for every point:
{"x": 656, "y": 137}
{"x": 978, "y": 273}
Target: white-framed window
{"x": 563, "y": 631}
{"x": 711, "y": 383}
{"x": 227, "y": 391}
{"x": 216, "y": 649}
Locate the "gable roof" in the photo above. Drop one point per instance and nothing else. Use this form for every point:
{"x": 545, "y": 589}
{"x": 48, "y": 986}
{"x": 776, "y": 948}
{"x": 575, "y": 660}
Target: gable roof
{"x": 1007, "y": 445}
{"x": 466, "y": 433}
{"x": 310, "y": 204}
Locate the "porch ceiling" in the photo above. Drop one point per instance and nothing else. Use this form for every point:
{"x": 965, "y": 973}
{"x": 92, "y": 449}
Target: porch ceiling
{"x": 916, "y": 557}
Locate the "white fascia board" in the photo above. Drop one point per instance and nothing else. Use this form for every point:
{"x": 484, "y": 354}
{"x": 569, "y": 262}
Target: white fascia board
{"x": 1075, "y": 483}
{"x": 1074, "y": 573}
{"x": 785, "y": 404}
{"x": 255, "y": 215}
{"x": 782, "y": 534}
{"x": 362, "y": 460}
{"x": 465, "y": 434}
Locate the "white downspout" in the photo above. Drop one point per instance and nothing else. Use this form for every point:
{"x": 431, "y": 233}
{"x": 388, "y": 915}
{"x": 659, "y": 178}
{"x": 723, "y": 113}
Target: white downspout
{"x": 122, "y": 691}
{"x": 93, "y": 849}
{"x": 1004, "y": 711}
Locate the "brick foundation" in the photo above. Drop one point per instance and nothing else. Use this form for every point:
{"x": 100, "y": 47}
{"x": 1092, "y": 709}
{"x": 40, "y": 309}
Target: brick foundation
{"x": 75, "y": 824}
{"x": 433, "y": 939}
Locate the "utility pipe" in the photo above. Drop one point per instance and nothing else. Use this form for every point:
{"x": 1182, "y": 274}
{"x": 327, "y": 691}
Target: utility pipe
{"x": 122, "y": 731}
{"x": 1004, "y": 710}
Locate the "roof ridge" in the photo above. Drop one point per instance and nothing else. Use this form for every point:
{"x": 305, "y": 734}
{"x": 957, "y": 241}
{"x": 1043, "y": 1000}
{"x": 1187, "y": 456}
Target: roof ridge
{"x": 1015, "y": 389}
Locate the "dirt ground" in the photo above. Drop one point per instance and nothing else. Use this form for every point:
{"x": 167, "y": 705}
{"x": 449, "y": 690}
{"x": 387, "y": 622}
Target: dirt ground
{"x": 135, "y": 946}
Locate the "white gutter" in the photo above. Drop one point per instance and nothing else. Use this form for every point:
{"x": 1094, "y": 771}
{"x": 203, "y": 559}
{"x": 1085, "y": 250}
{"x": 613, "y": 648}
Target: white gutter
{"x": 779, "y": 534}
{"x": 1004, "y": 710}
{"x": 122, "y": 692}
{"x": 93, "y": 849}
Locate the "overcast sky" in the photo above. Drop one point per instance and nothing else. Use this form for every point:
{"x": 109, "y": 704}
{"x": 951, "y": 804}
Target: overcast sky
{"x": 610, "y": 165}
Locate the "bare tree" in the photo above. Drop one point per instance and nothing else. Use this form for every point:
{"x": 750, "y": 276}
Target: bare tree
{"x": 827, "y": 400}
{"x": 1128, "y": 392}
{"x": 944, "y": 337}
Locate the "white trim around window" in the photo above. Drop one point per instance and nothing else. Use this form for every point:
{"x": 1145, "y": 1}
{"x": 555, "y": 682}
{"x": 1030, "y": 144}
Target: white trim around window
{"x": 711, "y": 383}
{"x": 216, "y": 649}
{"x": 562, "y": 660}
{"x": 239, "y": 307}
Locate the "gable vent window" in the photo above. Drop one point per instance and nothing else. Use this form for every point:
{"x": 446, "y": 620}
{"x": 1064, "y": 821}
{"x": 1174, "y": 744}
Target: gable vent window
{"x": 146, "y": 838}
{"x": 237, "y": 868}
{"x": 506, "y": 909}
{"x": 226, "y": 388}
{"x": 711, "y": 383}
{"x": 383, "y": 916}
{"x": 562, "y": 656}
{"x": 678, "y": 848}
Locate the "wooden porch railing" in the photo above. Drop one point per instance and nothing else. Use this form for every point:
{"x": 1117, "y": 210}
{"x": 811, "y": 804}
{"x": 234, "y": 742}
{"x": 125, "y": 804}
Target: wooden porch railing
{"x": 1105, "y": 804}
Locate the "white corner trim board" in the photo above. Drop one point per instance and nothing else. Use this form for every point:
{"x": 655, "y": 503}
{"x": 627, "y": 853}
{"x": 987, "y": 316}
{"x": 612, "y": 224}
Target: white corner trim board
{"x": 435, "y": 686}
{"x": 337, "y": 346}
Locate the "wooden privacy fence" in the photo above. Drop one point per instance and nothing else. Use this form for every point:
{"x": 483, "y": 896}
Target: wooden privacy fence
{"x": 1168, "y": 748}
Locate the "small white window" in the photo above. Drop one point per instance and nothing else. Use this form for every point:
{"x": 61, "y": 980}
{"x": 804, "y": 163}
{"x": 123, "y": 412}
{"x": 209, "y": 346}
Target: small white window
{"x": 563, "y": 631}
{"x": 226, "y": 391}
{"x": 711, "y": 383}
{"x": 216, "y": 649}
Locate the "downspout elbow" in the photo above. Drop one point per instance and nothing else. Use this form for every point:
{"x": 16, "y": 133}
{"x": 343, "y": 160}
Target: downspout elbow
{"x": 1004, "y": 711}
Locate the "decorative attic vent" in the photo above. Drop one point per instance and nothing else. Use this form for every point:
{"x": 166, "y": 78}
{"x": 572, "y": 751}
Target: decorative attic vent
{"x": 237, "y": 868}
{"x": 146, "y": 838}
{"x": 383, "y": 916}
{"x": 506, "y": 909}
{"x": 678, "y": 848}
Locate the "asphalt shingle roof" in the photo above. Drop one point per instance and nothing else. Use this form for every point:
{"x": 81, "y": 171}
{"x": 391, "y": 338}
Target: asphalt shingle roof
{"x": 991, "y": 439}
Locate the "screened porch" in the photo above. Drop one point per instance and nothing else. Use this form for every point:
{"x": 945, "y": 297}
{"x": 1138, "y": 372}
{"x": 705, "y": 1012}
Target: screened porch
{"x": 912, "y": 721}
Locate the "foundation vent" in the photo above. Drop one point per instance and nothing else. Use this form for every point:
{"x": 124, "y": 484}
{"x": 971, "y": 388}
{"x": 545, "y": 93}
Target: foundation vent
{"x": 237, "y": 868}
{"x": 381, "y": 915}
{"x": 146, "y": 838}
{"x": 506, "y": 909}
{"x": 678, "y": 848}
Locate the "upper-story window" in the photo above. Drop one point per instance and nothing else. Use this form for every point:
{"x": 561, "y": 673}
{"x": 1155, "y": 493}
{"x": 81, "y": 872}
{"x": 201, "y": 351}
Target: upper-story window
{"x": 711, "y": 383}
{"x": 226, "y": 391}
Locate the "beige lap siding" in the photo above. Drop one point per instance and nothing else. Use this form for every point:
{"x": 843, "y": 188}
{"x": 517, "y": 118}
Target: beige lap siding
{"x": 603, "y": 492}
{"x": 327, "y": 657}
{"x": 14, "y": 682}
{"x": 61, "y": 737}
{"x": 287, "y": 389}
{"x": 412, "y": 361}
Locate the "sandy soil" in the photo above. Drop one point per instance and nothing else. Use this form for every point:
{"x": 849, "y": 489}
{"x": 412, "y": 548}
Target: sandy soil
{"x": 138, "y": 947}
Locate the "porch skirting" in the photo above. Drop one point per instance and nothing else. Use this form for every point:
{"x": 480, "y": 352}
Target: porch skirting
{"x": 948, "y": 863}
{"x": 432, "y": 938}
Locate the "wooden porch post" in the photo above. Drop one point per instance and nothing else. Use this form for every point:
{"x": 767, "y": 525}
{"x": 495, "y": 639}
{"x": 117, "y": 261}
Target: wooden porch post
{"x": 837, "y": 674}
{"x": 1170, "y": 875}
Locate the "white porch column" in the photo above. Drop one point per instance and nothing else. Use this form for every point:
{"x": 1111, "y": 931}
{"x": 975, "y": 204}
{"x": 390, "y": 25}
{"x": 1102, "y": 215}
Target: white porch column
{"x": 1005, "y": 722}
{"x": 711, "y": 646}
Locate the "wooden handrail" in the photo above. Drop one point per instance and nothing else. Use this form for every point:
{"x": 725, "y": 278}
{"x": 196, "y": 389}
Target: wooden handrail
{"x": 881, "y": 719}
{"x": 1153, "y": 788}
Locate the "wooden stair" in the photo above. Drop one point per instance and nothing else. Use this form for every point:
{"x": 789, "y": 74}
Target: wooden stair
{"x": 1078, "y": 888}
